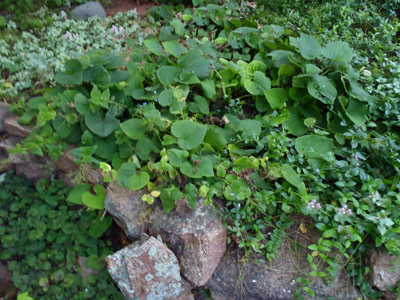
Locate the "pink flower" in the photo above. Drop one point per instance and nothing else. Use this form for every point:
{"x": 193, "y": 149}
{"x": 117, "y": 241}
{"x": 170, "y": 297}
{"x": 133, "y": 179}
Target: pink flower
{"x": 114, "y": 29}
{"x": 68, "y": 35}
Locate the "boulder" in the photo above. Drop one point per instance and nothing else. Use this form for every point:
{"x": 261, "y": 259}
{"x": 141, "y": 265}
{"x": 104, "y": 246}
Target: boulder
{"x": 198, "y": 239}
{"x": 384, "y": 269}
{"x": 127, "y": 208}
{"x": 148, "y": 270}
{"x": 35, "y": 168}
{"x": 10, "y": 142}
{"x": 12, "y": 127}
{"x": 4, "y": 113}
{"x": 5, "y": 162}
{"x": 66, "y": 162}
{"x": 87, "y": 10}
{"x": 236, "y": 278}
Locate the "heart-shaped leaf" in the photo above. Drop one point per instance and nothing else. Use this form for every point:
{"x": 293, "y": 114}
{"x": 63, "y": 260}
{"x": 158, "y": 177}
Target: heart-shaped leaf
{"x": 168, "y": 74}
{"x": 95, "y": 201}
{"x": 75, "y": 195}
{"x": 134, "y": 128}
{"x": 73, "y": 73}
{"x": 100, "y": 124}
{"x": 99, "y": 226}
{"x": 189, "y": 133}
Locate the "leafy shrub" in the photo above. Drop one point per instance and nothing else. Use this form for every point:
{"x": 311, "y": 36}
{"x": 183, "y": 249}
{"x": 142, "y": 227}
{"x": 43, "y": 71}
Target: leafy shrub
{"x": 271, "y": 121}
{"x": 42, "y": 237}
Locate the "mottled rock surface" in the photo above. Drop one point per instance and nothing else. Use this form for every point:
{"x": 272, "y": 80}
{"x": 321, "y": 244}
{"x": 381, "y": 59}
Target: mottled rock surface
{"x": 12, "y": 127}
{"x": 384, "y": 269}
{"x": 4, "y": 113}
{"x": 66, "y": 162}
{"x": 147, "y": 270}
{"x": 87, "y": 10}
{"x": 5, "y": 163}
{"x": 197, "y": 238}
{"x": 236, "y": 279}
{"x": 85, "y": 270}
{"x": 127, "y": 208}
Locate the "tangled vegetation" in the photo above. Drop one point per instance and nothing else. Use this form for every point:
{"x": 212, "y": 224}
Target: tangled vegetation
{"x": 217, "y": 102}
{"x": 51, "y": 247}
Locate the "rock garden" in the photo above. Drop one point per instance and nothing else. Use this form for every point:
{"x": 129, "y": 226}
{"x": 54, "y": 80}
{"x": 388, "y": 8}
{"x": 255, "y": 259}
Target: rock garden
{"x": 199, "y": 150}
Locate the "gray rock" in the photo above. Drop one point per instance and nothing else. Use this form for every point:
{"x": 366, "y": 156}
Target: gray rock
{"x": 4, "y": 113}
{"x": 87, "y": 10}
{"x": 10, "y": 142}
{"x": 148, "y": 270}
{"x": 12, "y": 127}
{"x": 127, "y": 208}
{"x": 198, "y": 239}
{"x": 66, "y": 162}
{"x": 237, "y": 279}
{"x": 35, "y": 168}
{"x": 384, "y": 269}
{"x": 5, "y": 162}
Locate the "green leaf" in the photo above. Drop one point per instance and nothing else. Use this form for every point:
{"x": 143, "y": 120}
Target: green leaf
{"x": 73, "y": 73}
{"x": 97, "y": 75}
{"x": 291, "y": 176}
{"x": 95, "y": 201}
{"x": 194, "y": 62}
{"x": 258, "y": 85}
{"x": 191, "y": 194}
{"x": 168, "y": 74}
{"x": 309, "y": 47}
{"x": 24, "y": 296}
{"x": 134, "y": 128}
{"x": 312, "y": 146}
{"x": 250, "y": 128}
{"x": 169, "y": 197}
{"x": 129, "y": 178}
{"x": 339, "y": 51}
{"x": 62, "y": 127}
{"x": 154, "y": 46}
{"x": 177, "y": 157}
{"x": 75, "y": 195}
{"x": 174, "y": 48}
{"x": 329, "y": 233}
{"x": 295, "y": 123}
{"x": 254, "y": 66}
{"x": 81, "y": 104}
{"x": 189, "y": 133}
{"x": 200, "y": 105}
{"x": 321, "y": 88}
{"x": 100, "y": 124}
{"x": 145, "y": 147}
{"x": 215, "y": 139}
{"x": 357, "y": 92}
{"x": 208, "y": 88}
{"x": 99, "y": 226}
{"x": 199, "y": 167}
{"x": 357, "y": 112}
{"x": 276, "y": 97}
{"x": 138, "y": 181}
{"x": 106, "y": 147}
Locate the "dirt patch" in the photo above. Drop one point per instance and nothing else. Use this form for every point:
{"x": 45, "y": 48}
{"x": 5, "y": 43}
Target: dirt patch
{"x": 124, "y": 5}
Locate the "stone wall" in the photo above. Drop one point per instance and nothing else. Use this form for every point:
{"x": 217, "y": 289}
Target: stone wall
{"x": 172, "y": 254}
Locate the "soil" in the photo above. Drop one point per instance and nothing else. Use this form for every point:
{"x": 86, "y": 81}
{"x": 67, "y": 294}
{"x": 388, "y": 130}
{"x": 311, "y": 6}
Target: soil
{"x": 124, "y": 5}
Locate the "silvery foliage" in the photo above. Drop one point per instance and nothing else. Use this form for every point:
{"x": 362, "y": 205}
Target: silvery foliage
{"x": 33, "y": 58}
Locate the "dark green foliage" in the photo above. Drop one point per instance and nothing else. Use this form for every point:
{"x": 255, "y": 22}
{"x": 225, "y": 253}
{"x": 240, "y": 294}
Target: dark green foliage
{"x": 42, "y": 237}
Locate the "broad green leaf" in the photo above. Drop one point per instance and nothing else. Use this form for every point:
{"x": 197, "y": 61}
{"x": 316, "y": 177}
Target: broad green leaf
{"x": 194, "y": 62}
{"x": 200, "y": 105}
{"x": 189, "y": 133}
{"x": 187, "y": 77}
{"x": 280, "y": 57}
{"x": 276, "y": 97}
{"x": 258, "y": 85}
{"x": 138, "y": 181}
{"x": 97, "y": 75}
{"x": 174, "y": 48}
{"x": 168, "y": 74}
{"x": 75, "y": 195}
{"x": 254, "y": 66}
{"x": 208, "y": 88}
{"x": 145, "y": 147}
{"x": 126, "y": 172}
{"x": 199, "y": 167}
{"x": 177, "y": 157}
{"x": 357, "y": 92}
{"x": 154, "y": 46}
{"x": 340, "y": 51}
{"x": 312, "y": 146}
{"x": 73, "y": 73}
{"x": 357, "y": 112}
{"x": 250, "y": 128}
{"x": 191, "y": 194}
{"x": 309, "y": 47}
{"x": 169, "y": 197}
{"x": 99, "y": 226}
{"x": 291, "y": 176}
{"x": 321, "y": 88}
{"x": 95, "y": 201}
{"x": 215, "y": 138}
{"x": 166, "y": 97}
{"x": 100, "y": 124}
{"x": 62, "y": 127}
{"x": 106, "y": 147}
{"x": 135, "y": 128}
{"x": 24, "y": 296}
{"x": 81, "y": 104}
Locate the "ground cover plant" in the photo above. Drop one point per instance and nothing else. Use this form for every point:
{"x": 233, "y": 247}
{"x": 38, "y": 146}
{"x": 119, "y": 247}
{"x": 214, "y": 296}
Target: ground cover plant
{"x": 43, "y": 237}
{"x": 267, "y": 119}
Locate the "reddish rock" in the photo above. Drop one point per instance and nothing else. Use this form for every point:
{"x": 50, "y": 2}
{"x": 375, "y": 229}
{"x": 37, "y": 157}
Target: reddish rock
{"x": 5, "y": 162}
{"x": 197, "y": 238}
{"x": 92, "y": 176}
{"x": 66, "y": 178}
{"x": 148, "y": 270}
{"x": 127, "y": 208}
{"x": 11, "y": 126}
{"x": 85, "y": 270}
{"x": 35, "y": 169}
{"x": 66, "y": 162}
{"x": 384, "y": 269}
